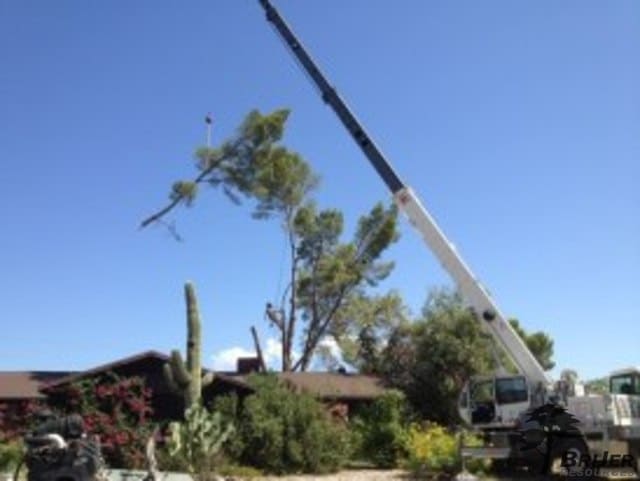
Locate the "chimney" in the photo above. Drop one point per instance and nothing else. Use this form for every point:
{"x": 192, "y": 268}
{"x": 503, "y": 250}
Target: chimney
{"x": 247, "y": 365}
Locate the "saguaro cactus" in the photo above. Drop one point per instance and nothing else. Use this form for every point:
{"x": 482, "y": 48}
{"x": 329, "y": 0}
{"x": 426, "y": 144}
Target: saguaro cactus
{"x": 186, "y": 378}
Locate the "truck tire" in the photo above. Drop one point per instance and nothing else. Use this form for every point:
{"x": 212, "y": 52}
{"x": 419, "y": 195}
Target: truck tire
{"x": 575, "y": 445}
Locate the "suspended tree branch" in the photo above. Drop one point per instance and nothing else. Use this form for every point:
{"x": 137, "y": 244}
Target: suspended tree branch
{"x": 205, "y": 176}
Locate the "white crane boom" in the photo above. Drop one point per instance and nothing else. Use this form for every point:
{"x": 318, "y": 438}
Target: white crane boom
{"x": 471, "y": 289}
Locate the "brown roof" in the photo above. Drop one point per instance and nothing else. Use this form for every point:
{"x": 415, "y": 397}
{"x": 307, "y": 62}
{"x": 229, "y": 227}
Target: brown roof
{"x": 335, "y": 385}
{"x": 26, "y": 384}
{"x": 326, "y": 385}
{"x": 111, "y": 366}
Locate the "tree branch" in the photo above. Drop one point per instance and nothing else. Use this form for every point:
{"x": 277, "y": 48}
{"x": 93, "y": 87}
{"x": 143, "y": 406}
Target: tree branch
{"x": 256, "y": 342}
{"x": 315, "y": 317}
{"x": 200, "y": 178}
{"x": 317, "y": 328}
{"x": 161, "y": 213}
{"x": 288, "y": 338}
{"x": 313, "y": 337}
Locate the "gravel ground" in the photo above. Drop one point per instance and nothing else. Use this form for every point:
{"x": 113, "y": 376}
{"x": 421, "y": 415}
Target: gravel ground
{"x": 365, "y": 475}
{"x": 397, "y": 475}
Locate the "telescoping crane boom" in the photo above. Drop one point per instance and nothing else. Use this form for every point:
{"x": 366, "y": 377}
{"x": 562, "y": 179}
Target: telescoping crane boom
{"x": 470, "y": 288}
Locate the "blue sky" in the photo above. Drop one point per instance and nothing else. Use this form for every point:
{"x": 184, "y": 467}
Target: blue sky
{"x": 517, "y": 123}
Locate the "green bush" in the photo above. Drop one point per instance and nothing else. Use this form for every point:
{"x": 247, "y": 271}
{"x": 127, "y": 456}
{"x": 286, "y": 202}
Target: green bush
{"x": 228, "y": 406}
{"x": 431, "y": 449}
{"x": 10, "y": 455}
{"x": 285, "y": 432}
{"x": 434, "y": 450}
{"x": 379, "y": 430}
{"x": 167, "y": 462}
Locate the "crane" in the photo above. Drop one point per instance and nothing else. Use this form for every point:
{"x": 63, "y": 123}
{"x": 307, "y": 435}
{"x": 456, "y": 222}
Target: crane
{"x": 474, "y": 293}
{"x": 511, "y": 395}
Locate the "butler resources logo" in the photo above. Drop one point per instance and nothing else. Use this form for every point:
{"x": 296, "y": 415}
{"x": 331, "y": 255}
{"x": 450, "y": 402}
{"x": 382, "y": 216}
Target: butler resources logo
{"x": 551, "y": 440}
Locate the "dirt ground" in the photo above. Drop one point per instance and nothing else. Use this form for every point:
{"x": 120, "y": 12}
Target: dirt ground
{"x": 365, "y": 475}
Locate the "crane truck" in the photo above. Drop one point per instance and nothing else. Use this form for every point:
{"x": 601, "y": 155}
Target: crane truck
{"x": 495, "y": 404}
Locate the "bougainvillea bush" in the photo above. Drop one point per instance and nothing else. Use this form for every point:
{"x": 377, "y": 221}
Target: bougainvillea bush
{"x": 16, "y": 418}
{"x": 116, "y": 409}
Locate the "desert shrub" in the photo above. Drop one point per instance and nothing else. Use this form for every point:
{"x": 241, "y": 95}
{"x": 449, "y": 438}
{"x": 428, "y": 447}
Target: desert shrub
{"x": 379, "y": 430}
{"x": 228, "y": 406}
{"x": 432, "y": 449}
{"x": 167, "y": 462}
{"x": 117, "y": 409}
{"x": 285, "y": 432}
{"x": 10, "y": 455}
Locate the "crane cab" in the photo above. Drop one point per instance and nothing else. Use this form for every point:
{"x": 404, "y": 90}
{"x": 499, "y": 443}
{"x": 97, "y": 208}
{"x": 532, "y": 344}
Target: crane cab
{"x": 624, "y": 404}
{"x": 625, "y": 381}
{"x": 494, "y": 401}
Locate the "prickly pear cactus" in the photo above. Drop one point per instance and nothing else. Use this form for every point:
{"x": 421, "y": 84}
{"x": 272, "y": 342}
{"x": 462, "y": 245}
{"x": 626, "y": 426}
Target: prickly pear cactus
{"x": 198, "y": 439}
{"x": 186, "y": 378}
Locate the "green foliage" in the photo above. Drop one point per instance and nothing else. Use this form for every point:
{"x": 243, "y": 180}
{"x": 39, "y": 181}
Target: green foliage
{"x": 367, "y": 330}
{"x": 434, "y": 450}
{"x": 332, "y": 266}
{"x": 286, "y": 432}
{"x": 197, "y": 441}
{"x": 281, "y": 181}
{"x": 450, "y": 348}
{"x": 184, "y": 190}
{"x": 228, "y": 406}
{"x": 319, "y": 232}
{"x": 11, "y": 454}
{"x": 431, "y": 449}
{"x": 263, "y": 131}
{"x": 381, "y": 430}
{"x": 376, "y": 231}
{"x": 239, "y": 166}
{"x": 332, "y": 274}
{"x": 324, "y": 271}
{"x": 597, "y": 386}
{"x": 539, "y": 343}
{"x": 186, "y": 378}
{"x": 251, "y": 163}
{"x": 431, "y": 359}
{"x": 169, "y": 463}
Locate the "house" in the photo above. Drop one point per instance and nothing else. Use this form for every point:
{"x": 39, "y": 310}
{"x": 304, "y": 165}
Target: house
{"x": 17, "y": 386}
{"x": 19, "y": 391}
{"x": 342, "y": 392}
{"x": 148, "y": 365}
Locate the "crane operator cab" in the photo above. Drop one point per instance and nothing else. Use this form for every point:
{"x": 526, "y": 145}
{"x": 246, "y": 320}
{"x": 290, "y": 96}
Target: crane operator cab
{"x": 494, "y": 401}
{"x": 624, "y": 404}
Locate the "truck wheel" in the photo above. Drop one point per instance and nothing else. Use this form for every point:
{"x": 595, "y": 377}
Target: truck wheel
{"x": 577, "y": 447}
